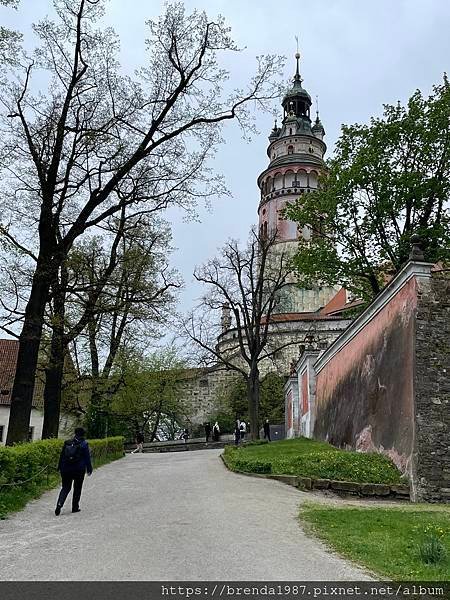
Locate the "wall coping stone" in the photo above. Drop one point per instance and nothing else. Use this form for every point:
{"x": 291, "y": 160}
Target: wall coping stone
{"x": 410, "y": 270}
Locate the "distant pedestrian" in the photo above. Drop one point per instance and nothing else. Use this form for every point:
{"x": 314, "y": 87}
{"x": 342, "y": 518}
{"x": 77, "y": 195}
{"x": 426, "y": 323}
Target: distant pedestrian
{"x": 139, "y": 442}
{"x": 216, "y": 432}
{"x": 185, "y": 436}
{"x": 74, "y": 462}
{"x": 243, "y": 430}
{"x": 207, "y": 432}
{"x": 237, "y": 432}
{"x": 267, "y": 430}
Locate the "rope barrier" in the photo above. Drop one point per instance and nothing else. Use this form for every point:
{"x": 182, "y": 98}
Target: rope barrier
{"x": 18, "y": 483}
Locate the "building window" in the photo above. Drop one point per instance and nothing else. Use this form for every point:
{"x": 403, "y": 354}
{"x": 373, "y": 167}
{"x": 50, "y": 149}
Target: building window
{"x": 30, "y": 434}
{"x": 4, "y": 392}
{"x": 290, "y": 130}
{"x": 203, "y": 383}
{"x": 290, "y": 149}
{"x": 2, "y": 428}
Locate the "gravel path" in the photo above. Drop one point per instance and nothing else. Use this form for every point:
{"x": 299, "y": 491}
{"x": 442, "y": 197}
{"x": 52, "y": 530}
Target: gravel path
{"x": 172, "y": 516}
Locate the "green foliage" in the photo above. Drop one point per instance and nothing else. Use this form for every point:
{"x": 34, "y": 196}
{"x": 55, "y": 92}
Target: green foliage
{"x": 237, "y": 461}
{"x": 318, "y": 460}
{"x": 235, "y": 402}
{"x": 385, "y": 540}
{"x": 26, "y": 470}
{"x": 149, "y": 390}
{"x": 432, "y": 549}
{"x": 386, "y": 181}
{"x": 359, "y": 467}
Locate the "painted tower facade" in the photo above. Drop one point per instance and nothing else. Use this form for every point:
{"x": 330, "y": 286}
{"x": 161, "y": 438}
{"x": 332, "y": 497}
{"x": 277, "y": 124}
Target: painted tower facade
{"x": 295, "y": 151}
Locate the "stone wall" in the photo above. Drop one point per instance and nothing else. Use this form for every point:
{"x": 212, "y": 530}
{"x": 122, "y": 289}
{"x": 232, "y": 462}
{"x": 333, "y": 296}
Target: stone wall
{"x": 203, "y": 389}
{"x": 432, "y": 389}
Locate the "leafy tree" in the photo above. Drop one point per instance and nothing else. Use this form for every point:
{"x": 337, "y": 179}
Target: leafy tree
{"x": 111, "y": 287}
{"x": 74, "y": 153}
{"x": 271, "y": 400}
{"x": 386, "y": 181}
{"x": 148, "y": 398}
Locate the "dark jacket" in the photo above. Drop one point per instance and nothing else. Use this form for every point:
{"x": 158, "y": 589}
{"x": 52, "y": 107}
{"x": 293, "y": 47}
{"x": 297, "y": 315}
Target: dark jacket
{"x": 83, "y": 465}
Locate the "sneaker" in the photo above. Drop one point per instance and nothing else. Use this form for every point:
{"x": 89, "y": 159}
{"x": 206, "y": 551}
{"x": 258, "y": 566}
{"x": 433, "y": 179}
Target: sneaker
{"x": 57, "y": 510}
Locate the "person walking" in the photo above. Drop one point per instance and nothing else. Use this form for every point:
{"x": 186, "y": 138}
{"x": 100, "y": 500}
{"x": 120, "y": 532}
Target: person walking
{"x": 267, "y": 430}
{"x": 207, "y": 431}
{"x": 185, "y": 436}
{"x": 74, "y": 462}
{"x": 216, "y": 431}
{"x": 139, "y": 442}
{"x": 243, "y": 430}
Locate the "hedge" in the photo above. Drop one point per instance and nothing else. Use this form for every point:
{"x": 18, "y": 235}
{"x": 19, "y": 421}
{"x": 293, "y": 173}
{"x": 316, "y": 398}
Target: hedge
{"x": 27, "y": 469}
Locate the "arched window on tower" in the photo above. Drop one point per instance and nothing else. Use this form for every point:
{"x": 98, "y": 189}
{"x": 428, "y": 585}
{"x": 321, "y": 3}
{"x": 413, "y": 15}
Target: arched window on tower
{"x": 264, "y": 235}
{"x": 290, "y": 149}
{"x": 290, "y": 130}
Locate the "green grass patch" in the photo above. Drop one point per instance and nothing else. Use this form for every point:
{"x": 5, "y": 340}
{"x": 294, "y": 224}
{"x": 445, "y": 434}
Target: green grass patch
{"x": 28, "y": 470}
{"x": 309, "y": 458}
{"x": 388, "y": 541}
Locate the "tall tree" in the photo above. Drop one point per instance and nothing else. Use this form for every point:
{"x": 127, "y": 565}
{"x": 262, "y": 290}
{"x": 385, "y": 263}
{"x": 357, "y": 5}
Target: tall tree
{"x": 386, "y": 181}
{"x": 117, "y": 299}
{"x": 249, "y": 282}
{"x": 72, "y": 155}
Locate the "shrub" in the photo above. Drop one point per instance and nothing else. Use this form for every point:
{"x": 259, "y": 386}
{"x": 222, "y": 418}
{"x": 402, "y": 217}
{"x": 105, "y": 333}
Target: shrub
{"x": 237, "y": 461}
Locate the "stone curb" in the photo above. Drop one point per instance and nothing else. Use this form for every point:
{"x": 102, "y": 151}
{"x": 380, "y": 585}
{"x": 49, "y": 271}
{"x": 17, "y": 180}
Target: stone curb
{"x": 378, "y": 490}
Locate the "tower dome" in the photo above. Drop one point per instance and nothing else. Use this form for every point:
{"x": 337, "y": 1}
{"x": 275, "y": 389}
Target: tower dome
{"x": 297, "y": 100}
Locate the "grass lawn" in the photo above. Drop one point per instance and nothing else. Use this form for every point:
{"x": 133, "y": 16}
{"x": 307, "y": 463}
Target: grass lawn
{"x": 310, "y": 458}
{"x": 386, "y": 540}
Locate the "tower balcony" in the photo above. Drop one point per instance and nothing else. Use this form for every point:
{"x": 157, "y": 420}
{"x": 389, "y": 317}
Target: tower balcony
{"x": 290, "y": 190}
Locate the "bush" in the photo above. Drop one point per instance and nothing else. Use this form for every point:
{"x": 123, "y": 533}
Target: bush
{"x": 236, "y": 461}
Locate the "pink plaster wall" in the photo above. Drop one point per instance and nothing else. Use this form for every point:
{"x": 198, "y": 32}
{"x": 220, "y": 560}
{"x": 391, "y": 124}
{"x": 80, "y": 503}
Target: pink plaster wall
{"x": 364, "y": 395}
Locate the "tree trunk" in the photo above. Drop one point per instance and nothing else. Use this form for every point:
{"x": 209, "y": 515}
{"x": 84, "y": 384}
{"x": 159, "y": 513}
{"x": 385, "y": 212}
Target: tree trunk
{"x": 54, "y": 372}
{"x": 253, "y": 401}
{"x": 27, "y": 359}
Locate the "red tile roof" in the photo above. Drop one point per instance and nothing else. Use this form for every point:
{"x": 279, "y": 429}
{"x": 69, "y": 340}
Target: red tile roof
{"x": 8, "y": 360}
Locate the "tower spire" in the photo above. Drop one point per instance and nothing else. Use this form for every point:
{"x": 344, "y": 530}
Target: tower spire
{"x": 297, "y": 57}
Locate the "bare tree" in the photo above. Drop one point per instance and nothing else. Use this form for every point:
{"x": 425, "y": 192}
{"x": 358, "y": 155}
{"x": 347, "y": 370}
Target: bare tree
{"x": 250, "y": 284}
{"x": 72, "y": 155}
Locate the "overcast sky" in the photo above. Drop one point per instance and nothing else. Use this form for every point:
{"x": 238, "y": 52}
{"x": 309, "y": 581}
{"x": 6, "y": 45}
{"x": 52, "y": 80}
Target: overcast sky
{"x": 356, "y": 55}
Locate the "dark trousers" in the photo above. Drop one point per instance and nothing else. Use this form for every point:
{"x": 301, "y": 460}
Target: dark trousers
{"x": 67, "y": 479}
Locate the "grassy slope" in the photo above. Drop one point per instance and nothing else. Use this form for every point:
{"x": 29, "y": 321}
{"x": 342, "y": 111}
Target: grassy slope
{"x": 285, "y": 448}
{"x": 311, "y": 458}
{"x": 385, "y": 540}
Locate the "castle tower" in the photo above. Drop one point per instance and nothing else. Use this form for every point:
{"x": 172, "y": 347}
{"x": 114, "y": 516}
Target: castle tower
{"x": 296, "y": 151}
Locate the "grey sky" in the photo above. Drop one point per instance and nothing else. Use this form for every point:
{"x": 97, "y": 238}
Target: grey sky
{"x": 356, "y": 55}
